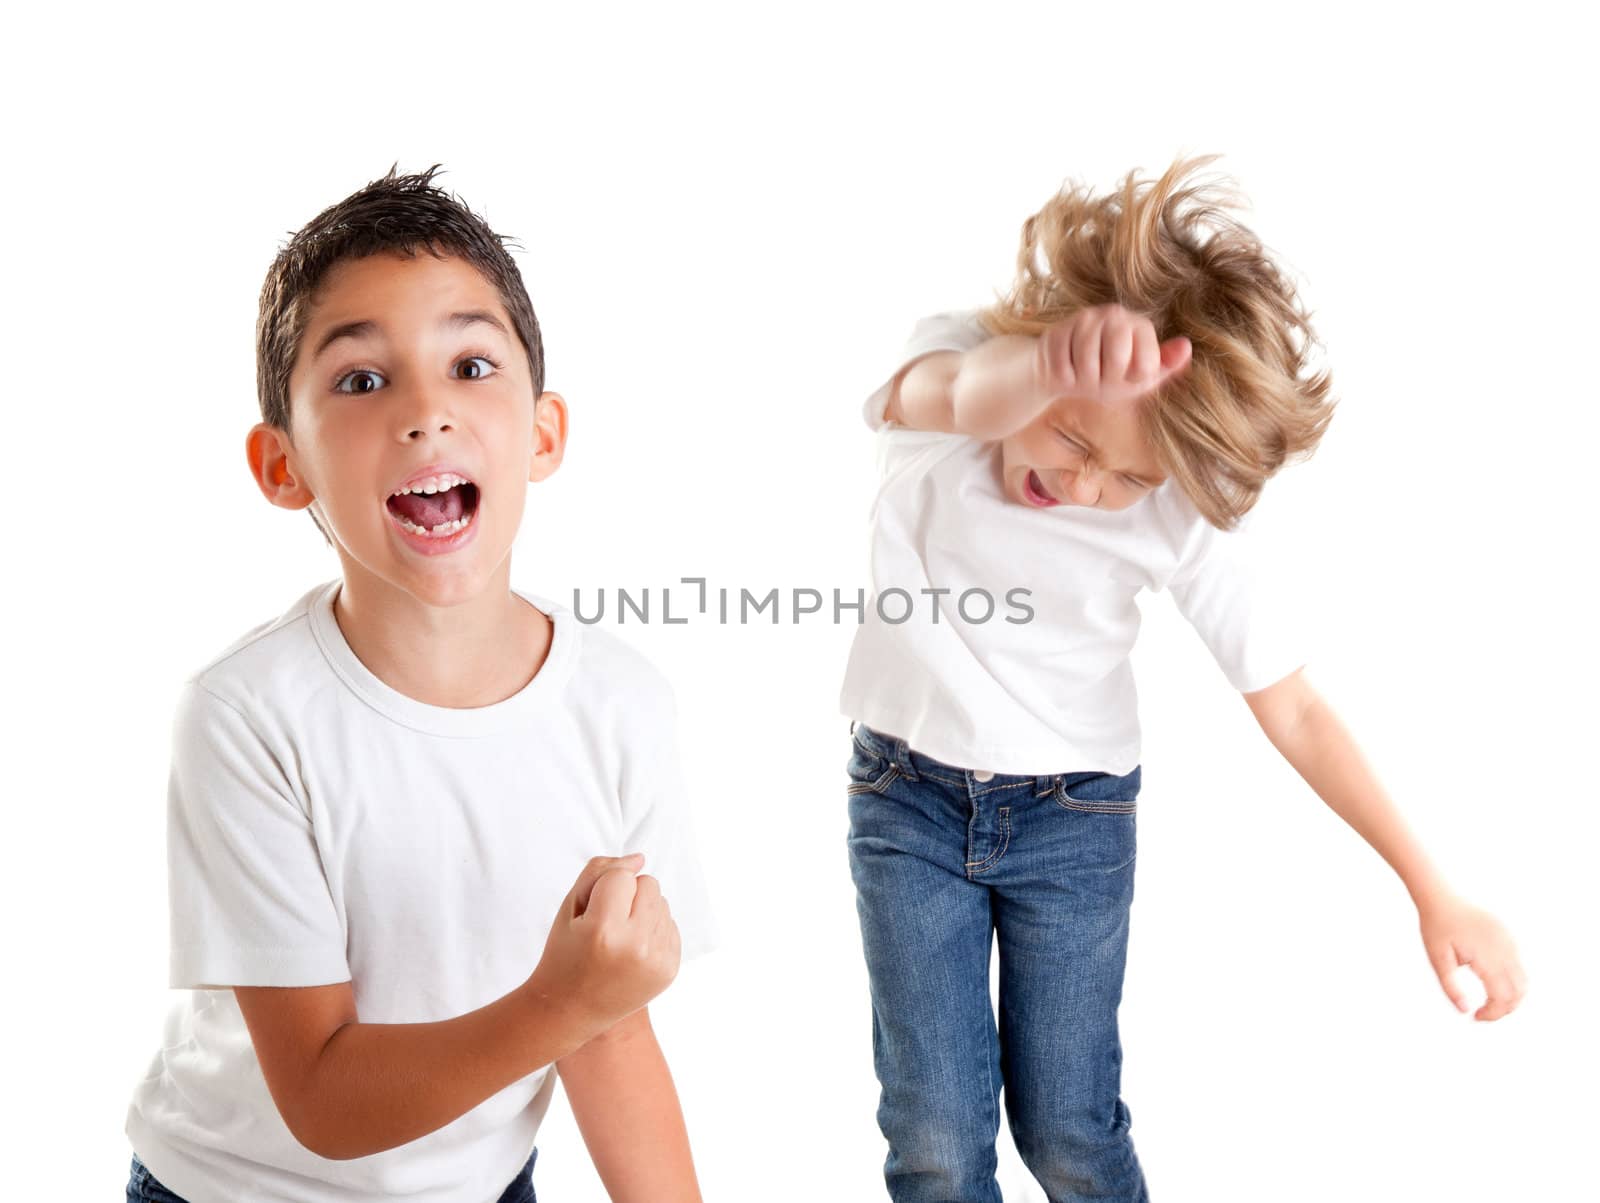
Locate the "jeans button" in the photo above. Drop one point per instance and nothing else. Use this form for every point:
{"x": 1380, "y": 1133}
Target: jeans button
{"x": 982, "y": 775}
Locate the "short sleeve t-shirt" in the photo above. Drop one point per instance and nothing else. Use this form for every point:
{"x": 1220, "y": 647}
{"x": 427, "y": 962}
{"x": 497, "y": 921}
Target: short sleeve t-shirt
{"x": 997, "y": 637}
{"x": 324, "y": 827}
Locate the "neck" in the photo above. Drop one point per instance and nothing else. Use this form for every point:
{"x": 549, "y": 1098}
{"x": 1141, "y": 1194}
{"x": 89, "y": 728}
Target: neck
{"x": 459, "y": 654}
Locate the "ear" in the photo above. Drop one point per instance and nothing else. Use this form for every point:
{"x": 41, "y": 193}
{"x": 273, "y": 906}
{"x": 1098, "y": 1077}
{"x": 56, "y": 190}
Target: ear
{"x": 549, "y": 436}
{"x": 269, "y": 452}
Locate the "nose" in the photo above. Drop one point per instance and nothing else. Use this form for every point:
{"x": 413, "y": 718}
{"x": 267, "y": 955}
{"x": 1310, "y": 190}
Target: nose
{"x": 1082, "y": 486}
{"x": 427, "y": 412}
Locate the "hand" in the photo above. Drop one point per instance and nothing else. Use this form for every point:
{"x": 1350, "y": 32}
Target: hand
{"x": 613, "y": 946}
{"x": 1456, "y": 934}
{"x": 1107, "y": 354}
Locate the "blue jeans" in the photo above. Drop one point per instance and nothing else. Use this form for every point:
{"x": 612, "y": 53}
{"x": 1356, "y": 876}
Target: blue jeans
{"x": 945, "y": 860}
{"x": 144, "y": 1188}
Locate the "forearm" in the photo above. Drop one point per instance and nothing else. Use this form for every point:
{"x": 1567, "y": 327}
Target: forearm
{"x": 625, "y": 1105}
{"x": 987, "y": 393}
{"x": 1325, "y": 754}
{"x": 377, "y": 1085}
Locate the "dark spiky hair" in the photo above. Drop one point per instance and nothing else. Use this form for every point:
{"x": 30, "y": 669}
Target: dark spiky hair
{"x": 398, "y": 214}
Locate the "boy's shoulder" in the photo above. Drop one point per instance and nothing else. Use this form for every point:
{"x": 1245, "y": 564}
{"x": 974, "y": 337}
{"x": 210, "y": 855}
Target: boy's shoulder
{"x": 270, "y": 653}
{"x": 606, "y": 662}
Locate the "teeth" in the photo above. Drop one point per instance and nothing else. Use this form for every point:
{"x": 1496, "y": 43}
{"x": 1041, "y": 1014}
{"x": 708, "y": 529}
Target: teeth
{"x": 433, "y": 484}
{"x": 442, "y": 531}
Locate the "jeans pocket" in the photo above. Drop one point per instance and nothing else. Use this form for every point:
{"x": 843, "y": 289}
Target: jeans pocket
{"x": 870, "y": 771}
{"x": 1103, "y": 793}
{"x": 144, "y": 1187}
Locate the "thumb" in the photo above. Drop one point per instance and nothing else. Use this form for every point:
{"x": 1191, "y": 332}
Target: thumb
{"x": 1443, "y": 958}
{"x": 1175, "y": 356}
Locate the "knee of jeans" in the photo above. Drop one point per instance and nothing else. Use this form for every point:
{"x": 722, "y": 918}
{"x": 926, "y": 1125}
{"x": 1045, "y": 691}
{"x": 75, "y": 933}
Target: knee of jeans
{"x": 934, "y": 1128}
{"x": 941, "y": 1154}
{"x": 1076, "y": 1147}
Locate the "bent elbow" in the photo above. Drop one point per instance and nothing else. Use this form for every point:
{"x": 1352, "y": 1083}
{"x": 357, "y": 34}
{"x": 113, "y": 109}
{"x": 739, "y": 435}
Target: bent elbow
{"x": 317, "y": 1137}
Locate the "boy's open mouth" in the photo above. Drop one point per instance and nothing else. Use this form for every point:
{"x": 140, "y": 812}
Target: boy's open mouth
{"x": 441, "y": 512}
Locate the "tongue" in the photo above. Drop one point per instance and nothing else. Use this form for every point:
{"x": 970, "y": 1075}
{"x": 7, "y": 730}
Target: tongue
{"x": 428, "y": 510}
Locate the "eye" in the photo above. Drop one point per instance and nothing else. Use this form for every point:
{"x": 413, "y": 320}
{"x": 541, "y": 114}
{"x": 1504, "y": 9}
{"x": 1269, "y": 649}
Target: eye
{"x": 1137, "y": 484}
{"x": 479, "y": 373}
{"x": 1069, "y": 441}
{"x": 348, "y": 377}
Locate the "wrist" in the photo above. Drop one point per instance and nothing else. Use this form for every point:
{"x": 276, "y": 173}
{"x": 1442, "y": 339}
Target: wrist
{"x": 1040, "y": 371}
{"x": 998, "y": 387}
{"x": 554, "y": 1010}
{"x": 1430, "y": 893}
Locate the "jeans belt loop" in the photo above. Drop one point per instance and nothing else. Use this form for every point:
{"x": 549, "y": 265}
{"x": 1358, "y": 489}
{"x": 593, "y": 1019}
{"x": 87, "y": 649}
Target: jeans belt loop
{"x": 1043, "y": 784}
{"x": 902, "y": 758}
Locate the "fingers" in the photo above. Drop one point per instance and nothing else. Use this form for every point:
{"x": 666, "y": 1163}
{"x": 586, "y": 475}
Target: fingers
{"x": 578, "y": 897}
{"x": 1504, "y": 982}
{"x": 673, "y": 951}
{"x": 1116, "y": 345}
{"x": 1175, "y": 356}
{"x": 1111, "y": 354}
{"x": 1443, "y": 959}
{"x": 656, "y": 910}
{"x": 612, "y": 896}
{"x": 1519, "y": 980}
{"x": 664, "y": 920}
{"x": 1144, "y": 363}
{"x": 1503, "y": 997}
{"x": 646, "y": 895}
{"x": 1086, "y": 350}
{"x": 1055, "y": 347}
{"x": 1503, "y": 987}
{"x": 667, "y": 942}
{"x": 1110, "y": 346}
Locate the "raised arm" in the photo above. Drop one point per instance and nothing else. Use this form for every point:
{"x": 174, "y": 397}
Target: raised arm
{"x": 1106, "y": 353}
{"x": 348, "y": 1089}
{"x": 987, "y": 392}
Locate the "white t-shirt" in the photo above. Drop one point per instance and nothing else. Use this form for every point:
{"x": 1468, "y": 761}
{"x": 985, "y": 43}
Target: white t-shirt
{"x": 324, "y": 827}
{"x": 1045, "y": 685}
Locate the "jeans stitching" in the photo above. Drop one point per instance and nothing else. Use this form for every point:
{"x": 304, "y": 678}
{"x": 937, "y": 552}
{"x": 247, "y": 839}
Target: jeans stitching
{"x": 877, "y": 786}
{"x": 975, "y": 867}
{"x": 1097, "y": 808}
{"x": 1109, "y": 806}
{"x": 1009, "y": 785}
{"x": 865, "y": 747}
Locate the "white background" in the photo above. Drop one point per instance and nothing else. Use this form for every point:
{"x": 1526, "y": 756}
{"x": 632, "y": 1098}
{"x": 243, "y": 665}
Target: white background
{"x": 731, "y": 218}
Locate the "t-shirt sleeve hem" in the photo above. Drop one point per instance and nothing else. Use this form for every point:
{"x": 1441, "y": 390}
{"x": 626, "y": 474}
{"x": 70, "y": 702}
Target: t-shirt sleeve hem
{"x": 939, "y": 332}
{"x": 699, "y": 945}
{"x": 1250, "y": 683}
{"x": 195, "y": 968}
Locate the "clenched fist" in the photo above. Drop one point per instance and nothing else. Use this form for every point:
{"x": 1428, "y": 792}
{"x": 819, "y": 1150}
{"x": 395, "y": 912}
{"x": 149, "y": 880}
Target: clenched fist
{"x": 1107, "y": 354}
{"x": 613, "y": 946}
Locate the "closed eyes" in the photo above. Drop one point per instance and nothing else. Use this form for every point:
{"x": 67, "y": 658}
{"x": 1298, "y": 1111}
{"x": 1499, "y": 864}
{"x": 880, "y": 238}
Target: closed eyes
{"x": 1131, "y": 481}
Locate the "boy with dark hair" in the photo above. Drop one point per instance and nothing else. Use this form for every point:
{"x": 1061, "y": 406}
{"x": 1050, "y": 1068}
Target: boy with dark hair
{"x": 385, "y": 801}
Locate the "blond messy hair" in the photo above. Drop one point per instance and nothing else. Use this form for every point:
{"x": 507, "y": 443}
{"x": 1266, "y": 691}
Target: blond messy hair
{"x": 1169, "y": 249}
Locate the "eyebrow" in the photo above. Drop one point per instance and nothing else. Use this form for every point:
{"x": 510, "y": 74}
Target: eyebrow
{"x": 1088, "y": 446}
{"x": 364, "y": 327}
